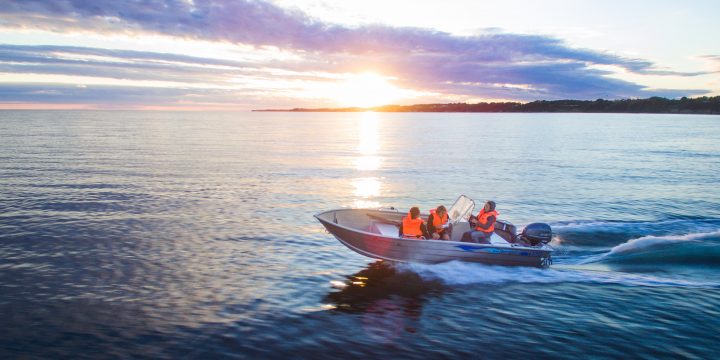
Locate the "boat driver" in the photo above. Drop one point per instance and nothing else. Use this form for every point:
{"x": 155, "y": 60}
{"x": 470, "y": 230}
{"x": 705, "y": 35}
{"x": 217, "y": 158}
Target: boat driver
{"x": 413, "y": 226}
{"x": 484, "y": 224}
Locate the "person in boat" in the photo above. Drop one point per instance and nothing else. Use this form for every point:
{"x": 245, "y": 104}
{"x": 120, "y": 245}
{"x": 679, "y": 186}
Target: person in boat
{"x": 437, "y": 223}
{"x": 484, "y": 224}
{"x": 413, "y": 226}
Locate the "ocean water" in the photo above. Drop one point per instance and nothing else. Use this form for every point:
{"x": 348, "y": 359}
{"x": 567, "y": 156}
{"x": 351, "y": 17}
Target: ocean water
{"x": 190, "y": 235}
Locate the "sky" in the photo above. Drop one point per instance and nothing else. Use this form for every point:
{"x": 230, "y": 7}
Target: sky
{"x": 242, "y": 55}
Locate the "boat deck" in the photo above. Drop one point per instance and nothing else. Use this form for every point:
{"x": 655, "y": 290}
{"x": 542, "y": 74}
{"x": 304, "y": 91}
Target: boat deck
{"x": 385, "y": 229}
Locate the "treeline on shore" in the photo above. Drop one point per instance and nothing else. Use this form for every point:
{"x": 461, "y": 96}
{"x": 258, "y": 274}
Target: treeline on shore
{"x": 657, "y": 105}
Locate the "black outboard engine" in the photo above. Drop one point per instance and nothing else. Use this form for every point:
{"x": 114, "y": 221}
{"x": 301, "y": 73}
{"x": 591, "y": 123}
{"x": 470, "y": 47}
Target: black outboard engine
{"x": 536, "y": 234}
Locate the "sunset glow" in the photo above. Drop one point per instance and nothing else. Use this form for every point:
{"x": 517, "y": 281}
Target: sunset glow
{"x": 368, "y": 89}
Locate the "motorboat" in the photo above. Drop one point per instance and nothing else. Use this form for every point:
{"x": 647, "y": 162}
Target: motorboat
{"x": 375, "y": 234}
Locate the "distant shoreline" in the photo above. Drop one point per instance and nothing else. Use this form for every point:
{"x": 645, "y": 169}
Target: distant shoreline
{"x": 654, "y": 105}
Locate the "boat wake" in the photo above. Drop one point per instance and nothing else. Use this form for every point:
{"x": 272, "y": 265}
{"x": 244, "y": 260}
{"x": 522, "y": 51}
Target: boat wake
{"x": 462, "y": 273}
{"x": 605, "y": 234}
{"x": 695, "y": 249}
{"x": 675, "y": 252}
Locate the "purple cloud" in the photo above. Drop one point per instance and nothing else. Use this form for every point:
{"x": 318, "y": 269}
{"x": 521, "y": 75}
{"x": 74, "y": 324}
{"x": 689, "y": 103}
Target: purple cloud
{"x": 264, "y": 24}
{"x": 119, "y": 64}
{"x": 534, "y": 67}
{"x": 128, "y": 97}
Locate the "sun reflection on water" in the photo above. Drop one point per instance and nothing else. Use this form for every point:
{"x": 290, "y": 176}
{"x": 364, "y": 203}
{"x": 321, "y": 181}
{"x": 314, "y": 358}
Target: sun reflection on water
{"x": 368, "y": 144}
{"x": 367, "y": 187}
{"x": 367, "y": 163}
{"x": 366, "y": 204}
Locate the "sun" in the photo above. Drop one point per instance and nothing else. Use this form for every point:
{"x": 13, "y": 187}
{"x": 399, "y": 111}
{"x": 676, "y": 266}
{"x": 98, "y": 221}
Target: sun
{"x": 367, "y": 90}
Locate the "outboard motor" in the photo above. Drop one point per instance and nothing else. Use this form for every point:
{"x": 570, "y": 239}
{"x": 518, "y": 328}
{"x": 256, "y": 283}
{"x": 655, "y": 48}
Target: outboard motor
{"x": 536, "y": 234}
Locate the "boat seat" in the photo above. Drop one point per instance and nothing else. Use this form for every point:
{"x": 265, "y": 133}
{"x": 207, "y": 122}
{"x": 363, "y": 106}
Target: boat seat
{"x": 384, "y": 229}
{"x": 496, "y": 239}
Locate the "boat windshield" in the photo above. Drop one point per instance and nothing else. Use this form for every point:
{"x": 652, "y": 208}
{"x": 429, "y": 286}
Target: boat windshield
{"x": 460, "y": 210}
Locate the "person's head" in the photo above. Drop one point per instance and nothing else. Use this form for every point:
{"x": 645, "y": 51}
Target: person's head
{"x": 489, "y": 205}
{"x": 414, "y": 212}
{"x": 441, "y": 210}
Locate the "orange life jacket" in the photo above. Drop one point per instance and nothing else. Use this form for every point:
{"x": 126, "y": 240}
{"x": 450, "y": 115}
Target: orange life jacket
{"x": 483, "y": 219}
{"x": 438, "y": 221}
{"x": 411, "y": 227}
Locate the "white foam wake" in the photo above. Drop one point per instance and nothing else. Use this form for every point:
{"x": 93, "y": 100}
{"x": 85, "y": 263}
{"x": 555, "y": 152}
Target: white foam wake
{"x": 461, "y": 273}
{"x": 574, "y": 225}
{"x": 645, "y": 242}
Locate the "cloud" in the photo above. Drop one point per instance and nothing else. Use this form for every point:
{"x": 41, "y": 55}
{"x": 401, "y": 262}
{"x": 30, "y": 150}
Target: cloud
{"x": 131, "y": 97}
{"x": 264, "y": 24}
{"x": 119, "y": 64}
{"x": 713, "y": 58}
{"x": 494, "y": 65}
{"x": 59, "y": 94}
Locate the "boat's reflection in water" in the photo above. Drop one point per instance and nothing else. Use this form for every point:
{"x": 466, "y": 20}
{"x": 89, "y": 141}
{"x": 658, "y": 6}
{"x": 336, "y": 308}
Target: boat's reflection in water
{"x": 389, "y": 300}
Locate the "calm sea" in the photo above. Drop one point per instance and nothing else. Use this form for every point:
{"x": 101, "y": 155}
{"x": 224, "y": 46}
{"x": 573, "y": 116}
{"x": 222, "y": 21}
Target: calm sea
{"x": 190, "y": 235}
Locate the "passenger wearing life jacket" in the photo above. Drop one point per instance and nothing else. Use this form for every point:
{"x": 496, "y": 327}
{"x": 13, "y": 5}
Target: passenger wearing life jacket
{"x": 484, "y": 224}
{"x": 437, "y": 223}
{"x": 413, "y": 226}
